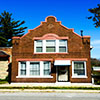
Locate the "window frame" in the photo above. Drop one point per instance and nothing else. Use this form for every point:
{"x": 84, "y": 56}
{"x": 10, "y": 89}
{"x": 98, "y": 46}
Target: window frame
{"x": 79, "y": 76}
{"x": 28, "y": 70}
{"x": 19, "y": 71}
{"x": 35, "y": 69}
{"x": 62, "y": 45}
{"x": 35, "y": 42}
{"x": 47, "y": 69}
{"x": 56, "y": 46}
{"x": 49, "y": 46}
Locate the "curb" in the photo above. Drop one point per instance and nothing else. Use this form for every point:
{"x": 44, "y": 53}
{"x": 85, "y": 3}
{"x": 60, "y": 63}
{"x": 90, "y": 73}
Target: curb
{"x": 49, "y": 90}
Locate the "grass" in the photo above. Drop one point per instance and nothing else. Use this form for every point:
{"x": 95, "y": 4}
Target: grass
{"x": 3, "y": 81}
{"x": 40, "y": 87}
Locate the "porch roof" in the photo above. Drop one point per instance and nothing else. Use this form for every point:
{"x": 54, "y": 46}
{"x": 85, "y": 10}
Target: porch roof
{"x": 3, "y": 54}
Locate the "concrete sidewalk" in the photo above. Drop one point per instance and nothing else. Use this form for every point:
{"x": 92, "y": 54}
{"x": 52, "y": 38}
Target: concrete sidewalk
{"x": 59, "y": 84}
{"x": 48, "y": 90}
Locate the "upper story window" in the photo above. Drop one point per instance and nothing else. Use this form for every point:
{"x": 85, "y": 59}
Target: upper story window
{"x": 50, "y": 46}
{"x": 62, "y": 45}
{"x": 39, "y": 46}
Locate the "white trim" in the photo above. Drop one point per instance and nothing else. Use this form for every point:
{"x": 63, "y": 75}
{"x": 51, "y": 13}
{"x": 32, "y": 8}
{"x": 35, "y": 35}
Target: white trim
{"x": 28, "y": 71}
{"x": 19, "y": 67}
{"x": 67, "y": 46}
{"x": 41, "y": 68}
{"x": 44, "y": 47}
{"x": 34, "y": 76}
{"x": 27, "y": 68}
{"x": 35, "y": 46}
{"x": 80, "y": 76}
{"x": 56, "y": 74}
{"x": 57, "y": 46}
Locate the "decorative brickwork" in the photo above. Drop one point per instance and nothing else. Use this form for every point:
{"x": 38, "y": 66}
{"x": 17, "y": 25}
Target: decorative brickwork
{"x": 78, "y": 48}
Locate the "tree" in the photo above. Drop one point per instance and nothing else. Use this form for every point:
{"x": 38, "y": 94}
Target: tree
{"x": 95, "y": 62}
{"x": 9, "y": 28}
{"x": 96, "y": 17}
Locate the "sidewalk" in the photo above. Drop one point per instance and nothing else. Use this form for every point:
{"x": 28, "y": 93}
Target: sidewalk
{"x": 22, "y": 88}
{"x": 48, "y": 90}
{"x": 61, "y": 84}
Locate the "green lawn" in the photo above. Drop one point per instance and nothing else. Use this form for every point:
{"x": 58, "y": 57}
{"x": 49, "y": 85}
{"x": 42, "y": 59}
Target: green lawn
{"x": 40, "y": 87}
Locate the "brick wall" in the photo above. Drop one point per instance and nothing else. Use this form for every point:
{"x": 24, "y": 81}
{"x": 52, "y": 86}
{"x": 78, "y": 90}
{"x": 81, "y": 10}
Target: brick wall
{"x": 24, "y": 48}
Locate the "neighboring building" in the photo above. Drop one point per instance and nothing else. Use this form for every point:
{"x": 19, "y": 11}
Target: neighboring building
{"x": 5, "y": 59}
{"x": 96, "y": 68}
{"x": 96, "y": 75}
{"x": 51, "y": 53}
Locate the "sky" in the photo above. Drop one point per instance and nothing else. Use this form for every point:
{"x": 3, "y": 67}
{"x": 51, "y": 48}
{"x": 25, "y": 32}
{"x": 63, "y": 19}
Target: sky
{"x": 72, "y": 14}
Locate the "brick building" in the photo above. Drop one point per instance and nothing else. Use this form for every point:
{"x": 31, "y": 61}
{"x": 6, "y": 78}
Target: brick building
{"x": 51, "y": 53}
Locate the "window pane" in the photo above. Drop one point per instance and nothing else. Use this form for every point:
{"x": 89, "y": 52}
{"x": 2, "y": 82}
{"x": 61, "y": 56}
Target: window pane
{"x": 38, "y": 42}
{"x": 46, "y": 72}
{"x": 46, "y": 68}
{"x": 38, "y": 49}
{"x": 62, "y": 49}
{"x": 50, "y": 49}
{"x": 46, "y": 65}
{"x": 79, "y": 68}
{"x": 62, "y": 42}
{"x": 50, "y": 43}
{"x": 23, "y": 72}
{"x": 35, "y": 68}
{"x": 23, "y": 68}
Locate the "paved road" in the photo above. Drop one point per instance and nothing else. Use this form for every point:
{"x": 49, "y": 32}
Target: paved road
{"x": 49, "y": 96}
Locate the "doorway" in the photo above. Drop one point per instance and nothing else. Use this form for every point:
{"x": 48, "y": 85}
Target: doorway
{"x": 62, "y": 73}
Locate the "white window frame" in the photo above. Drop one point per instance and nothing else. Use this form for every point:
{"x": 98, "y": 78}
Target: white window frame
{"x": 29, "y": 68}
{"x": 56, "y": 46}
{"x": 37, "y": 46}
{"x": 28, "y": 71}
{"x": 79, "y": 76}
{"x": 49, "y": 68}
{"x": 51, "y": 46}
{"x": 63, "y": 46}
{"x": 19, "y": 68}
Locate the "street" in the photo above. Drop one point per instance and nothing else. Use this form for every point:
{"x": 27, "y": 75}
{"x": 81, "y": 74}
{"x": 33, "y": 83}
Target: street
{"x": 49, "y": 96}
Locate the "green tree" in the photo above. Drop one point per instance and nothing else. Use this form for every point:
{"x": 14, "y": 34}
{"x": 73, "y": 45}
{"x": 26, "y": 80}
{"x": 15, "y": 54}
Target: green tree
{"x": 96, "y": 15}
{"x": 9, "y": 28}
{"x": 95, "y": 62}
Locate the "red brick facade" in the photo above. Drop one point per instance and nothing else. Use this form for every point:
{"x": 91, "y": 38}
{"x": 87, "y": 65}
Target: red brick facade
{"x": 78, "y": 49}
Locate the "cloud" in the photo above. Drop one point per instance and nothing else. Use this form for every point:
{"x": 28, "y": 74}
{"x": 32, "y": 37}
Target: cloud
{"x": 96, "y": 42}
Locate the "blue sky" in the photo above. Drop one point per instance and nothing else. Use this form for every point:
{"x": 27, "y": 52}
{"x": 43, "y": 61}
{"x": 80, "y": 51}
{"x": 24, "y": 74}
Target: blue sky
{"x": 72, "y": 13}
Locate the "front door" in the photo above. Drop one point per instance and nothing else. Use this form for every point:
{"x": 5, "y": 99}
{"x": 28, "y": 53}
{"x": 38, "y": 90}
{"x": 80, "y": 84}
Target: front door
{"x": 62, "y": 73}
